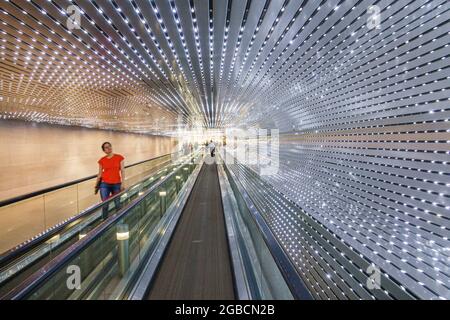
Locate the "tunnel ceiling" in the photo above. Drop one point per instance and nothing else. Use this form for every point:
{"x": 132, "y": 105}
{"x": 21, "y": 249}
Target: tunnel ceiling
{"x": 138, "y": 65}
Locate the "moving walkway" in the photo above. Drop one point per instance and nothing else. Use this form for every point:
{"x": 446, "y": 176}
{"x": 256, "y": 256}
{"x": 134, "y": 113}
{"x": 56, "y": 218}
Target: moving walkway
{"x": 189, "y": 234}
{"x": 197, "y": 263}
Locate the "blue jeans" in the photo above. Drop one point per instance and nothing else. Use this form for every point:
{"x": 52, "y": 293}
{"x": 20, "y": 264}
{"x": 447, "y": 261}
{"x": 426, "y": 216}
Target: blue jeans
{"x": 106, "y": 191}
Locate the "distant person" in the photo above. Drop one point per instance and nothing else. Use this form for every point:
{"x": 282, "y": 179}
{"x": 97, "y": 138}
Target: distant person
{"x": 206, "y": 146}
{"x": 111, "y": 173}
{"x": 212, "y": 148}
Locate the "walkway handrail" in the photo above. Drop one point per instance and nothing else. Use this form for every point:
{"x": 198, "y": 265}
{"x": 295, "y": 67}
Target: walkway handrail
{"x": 54, "y": 265}
{"x": 12, "y": 253}
{"x": 65, "y": 184}
{"x": 296, "y": 284}
{"x": 351, "y": 262}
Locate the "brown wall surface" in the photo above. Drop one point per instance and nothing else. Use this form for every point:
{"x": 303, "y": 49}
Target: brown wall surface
{"x": 36, "y": 156}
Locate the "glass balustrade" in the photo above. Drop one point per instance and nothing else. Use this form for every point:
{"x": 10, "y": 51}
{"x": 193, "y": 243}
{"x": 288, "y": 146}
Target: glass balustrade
{"x": 15, "y": 267}
{"x": 108, "y": 255}
{"x": 23, "y": 220}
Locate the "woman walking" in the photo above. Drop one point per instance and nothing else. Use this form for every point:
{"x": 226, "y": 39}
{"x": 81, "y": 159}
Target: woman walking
{"x": 111, "y": 174}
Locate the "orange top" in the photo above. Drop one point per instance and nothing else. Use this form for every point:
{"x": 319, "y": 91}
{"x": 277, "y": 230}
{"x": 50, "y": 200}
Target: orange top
{"x": 111, "y": 168}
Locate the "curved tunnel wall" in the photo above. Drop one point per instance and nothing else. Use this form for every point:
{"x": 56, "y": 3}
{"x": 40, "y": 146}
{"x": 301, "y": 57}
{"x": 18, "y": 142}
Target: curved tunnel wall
{"x": 364, "y": 141}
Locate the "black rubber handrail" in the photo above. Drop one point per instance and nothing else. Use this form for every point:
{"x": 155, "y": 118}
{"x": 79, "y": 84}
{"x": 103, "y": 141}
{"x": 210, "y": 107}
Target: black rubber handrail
{"x": 293, "y": 279}
{"x": 64, "y": 185}
{"x": 58, "y": 262}
{"x": 16, "y": 251}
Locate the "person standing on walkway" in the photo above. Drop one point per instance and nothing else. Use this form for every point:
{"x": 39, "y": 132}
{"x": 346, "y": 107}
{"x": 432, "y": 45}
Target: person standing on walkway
{"x": 212, "y": 148}
{"x": 110, "y": 177}
{"x": 111, "y": 173}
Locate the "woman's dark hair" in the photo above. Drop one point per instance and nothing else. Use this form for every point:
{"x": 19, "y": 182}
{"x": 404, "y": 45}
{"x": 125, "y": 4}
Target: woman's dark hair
{"x": 105, "y": 143}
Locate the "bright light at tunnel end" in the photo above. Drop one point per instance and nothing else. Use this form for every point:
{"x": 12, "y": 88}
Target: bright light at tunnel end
{"x": 258, "y": 148}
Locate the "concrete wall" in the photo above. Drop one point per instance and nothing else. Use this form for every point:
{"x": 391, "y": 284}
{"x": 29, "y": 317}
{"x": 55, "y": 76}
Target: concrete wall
{"x": 36, "y": 156}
